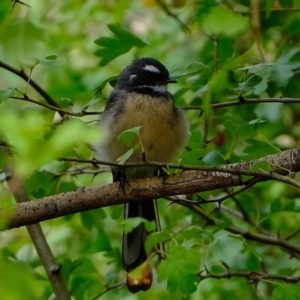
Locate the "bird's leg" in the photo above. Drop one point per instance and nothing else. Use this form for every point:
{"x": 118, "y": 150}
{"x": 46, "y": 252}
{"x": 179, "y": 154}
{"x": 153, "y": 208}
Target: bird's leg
{"x": 119, "y": 174}
{"x": 160, "y": 172}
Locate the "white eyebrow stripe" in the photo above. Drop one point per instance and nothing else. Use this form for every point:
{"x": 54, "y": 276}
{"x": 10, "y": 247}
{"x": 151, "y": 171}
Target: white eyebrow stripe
{"x": 151, "y": 68}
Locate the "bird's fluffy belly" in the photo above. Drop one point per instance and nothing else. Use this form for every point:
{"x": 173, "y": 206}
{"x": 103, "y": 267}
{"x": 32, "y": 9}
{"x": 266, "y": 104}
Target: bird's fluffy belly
{"x": 164, "y": 130}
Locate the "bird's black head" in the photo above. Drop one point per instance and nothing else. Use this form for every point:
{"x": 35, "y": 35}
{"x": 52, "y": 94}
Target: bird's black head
{"x": 145, "y": 72}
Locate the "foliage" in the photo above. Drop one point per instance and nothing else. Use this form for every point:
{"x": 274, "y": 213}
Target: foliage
{"x": 218, "y": 51}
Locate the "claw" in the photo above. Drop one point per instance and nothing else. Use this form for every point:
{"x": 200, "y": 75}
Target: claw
{"x": 160, "y": 172}
{"x": 119, "y": 174}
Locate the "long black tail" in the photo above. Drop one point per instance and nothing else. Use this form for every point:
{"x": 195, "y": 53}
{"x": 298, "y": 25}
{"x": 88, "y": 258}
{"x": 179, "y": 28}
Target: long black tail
{"x": 134, "y": 252}
{"x": 133, "y": 247}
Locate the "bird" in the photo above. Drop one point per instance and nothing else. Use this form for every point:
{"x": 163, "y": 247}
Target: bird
{"x": 140, "y": 99}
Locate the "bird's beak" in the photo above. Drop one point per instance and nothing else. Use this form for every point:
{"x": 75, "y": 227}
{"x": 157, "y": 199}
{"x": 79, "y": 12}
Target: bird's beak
{"x": 171, "y": 80}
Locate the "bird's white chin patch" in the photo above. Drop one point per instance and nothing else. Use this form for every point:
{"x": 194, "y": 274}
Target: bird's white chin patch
{"x": 158, "y": 88}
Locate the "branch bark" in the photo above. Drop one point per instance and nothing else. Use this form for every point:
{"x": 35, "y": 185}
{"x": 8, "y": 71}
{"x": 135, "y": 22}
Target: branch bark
{"x": 188, "y": 182}
{"x": 37, "y": 236}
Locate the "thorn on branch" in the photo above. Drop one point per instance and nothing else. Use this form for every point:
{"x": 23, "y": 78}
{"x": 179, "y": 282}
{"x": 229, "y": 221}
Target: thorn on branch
{"x": 206, "y": 270}
{"x": 94, "y": 163}
{"x": 227, "y": 267}
{"x": 201, "y": 112}
{"x": 20, "y": 2}
{"x": 264, "y": 267}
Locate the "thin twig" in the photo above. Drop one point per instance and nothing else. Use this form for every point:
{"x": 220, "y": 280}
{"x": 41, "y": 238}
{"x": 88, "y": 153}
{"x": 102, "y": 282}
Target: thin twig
{"x": 251, "y": 276}
{"x": 247, "y": 186}
{"x": 40, "y": 90}
{"x": 216, "y": 170}
{"x": 55, "y": 108}
{"x": 256, "y": 27}
{"x": 20, "y": 2}
{"x": 183, "y": 26}
{"x": 109, "y": 288}
{"x": 258, "y": 237}
{"x": 245, "y": 101}
{"x": 293, "y": 234}
{"x": 177, "y": 199}
{"x": 248, "y": 219}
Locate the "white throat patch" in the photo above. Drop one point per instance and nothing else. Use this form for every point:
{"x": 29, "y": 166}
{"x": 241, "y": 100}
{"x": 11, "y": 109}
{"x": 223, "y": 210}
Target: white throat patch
{"x": 157, "y": 88}
{"x": 151, "y": 68}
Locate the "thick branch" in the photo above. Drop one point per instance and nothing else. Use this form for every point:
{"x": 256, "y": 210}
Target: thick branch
{"x": 37, "y": 236}
{"x": 188, "y": 182}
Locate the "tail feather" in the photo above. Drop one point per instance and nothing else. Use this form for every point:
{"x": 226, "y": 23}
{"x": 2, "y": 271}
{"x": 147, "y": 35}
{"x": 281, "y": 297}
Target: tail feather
{"x": 134, "y": 251}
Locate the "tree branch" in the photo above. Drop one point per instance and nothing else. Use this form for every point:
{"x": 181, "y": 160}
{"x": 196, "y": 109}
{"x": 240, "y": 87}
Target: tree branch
{"x": 258, "y": 237}
{"x": 61, "y": 111}
{"x": 243, "y": 101}
{"x": 37, "y": 236}
{"x": 188, "y": 182}
{"x": 31, "y": 82}
{"x": 253, "y": 277}
{"x": 183, "y": 26}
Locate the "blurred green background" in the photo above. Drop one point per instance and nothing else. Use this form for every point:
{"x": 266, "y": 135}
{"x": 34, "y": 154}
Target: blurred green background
{"x": 218, "y": 50}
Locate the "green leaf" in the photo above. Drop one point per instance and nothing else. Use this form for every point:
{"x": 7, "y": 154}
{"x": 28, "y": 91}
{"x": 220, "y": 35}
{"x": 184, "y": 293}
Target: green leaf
{"x": 284, "y": 67}
{"x": 219, "y": 82}
{"x": 83, "y": 265}
{"x": 91, "y": 219}
{"x": 116, "y": 46}
{"x": 196, "y": 140}
{"x": 116, "y": 212}
{"x": 50, "y": 61}
{"x": 262, "y": 70}
{"x": 13, "y": 272}
{"x": 237, "y": 127}
{"x": 297, "y": 3}
{"x": 258, "y": 149}
{"x": 269, "y": 6}
{"x": 28, "y": 43}
{"x": 41, "y": 184}
{"x": 190, "y": 235}
{"x": 283, "y": 205}
{"x": 6, "y": 94}
{"x": 131, "y": 223}
{"x": 286, "y": 3}
{"x": 195, "y": 68}
{"x": 180, "y": 270}
{"x": 194, "y": 157}
{"x": 32, "y": 132}
{"x": 123, "y": 158}
{"x": 285, "y": 291}
{"x": 101, "y": 243}
{"x": 127, "y": 136}
{"x": 91, "y": 102}
{"x": 250, "y": 83}
{"x": 111, "y": 80}
{"x": 155, "y": 238}
{"x": 265, "y": 166}
{"x": 220, "y": 21}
